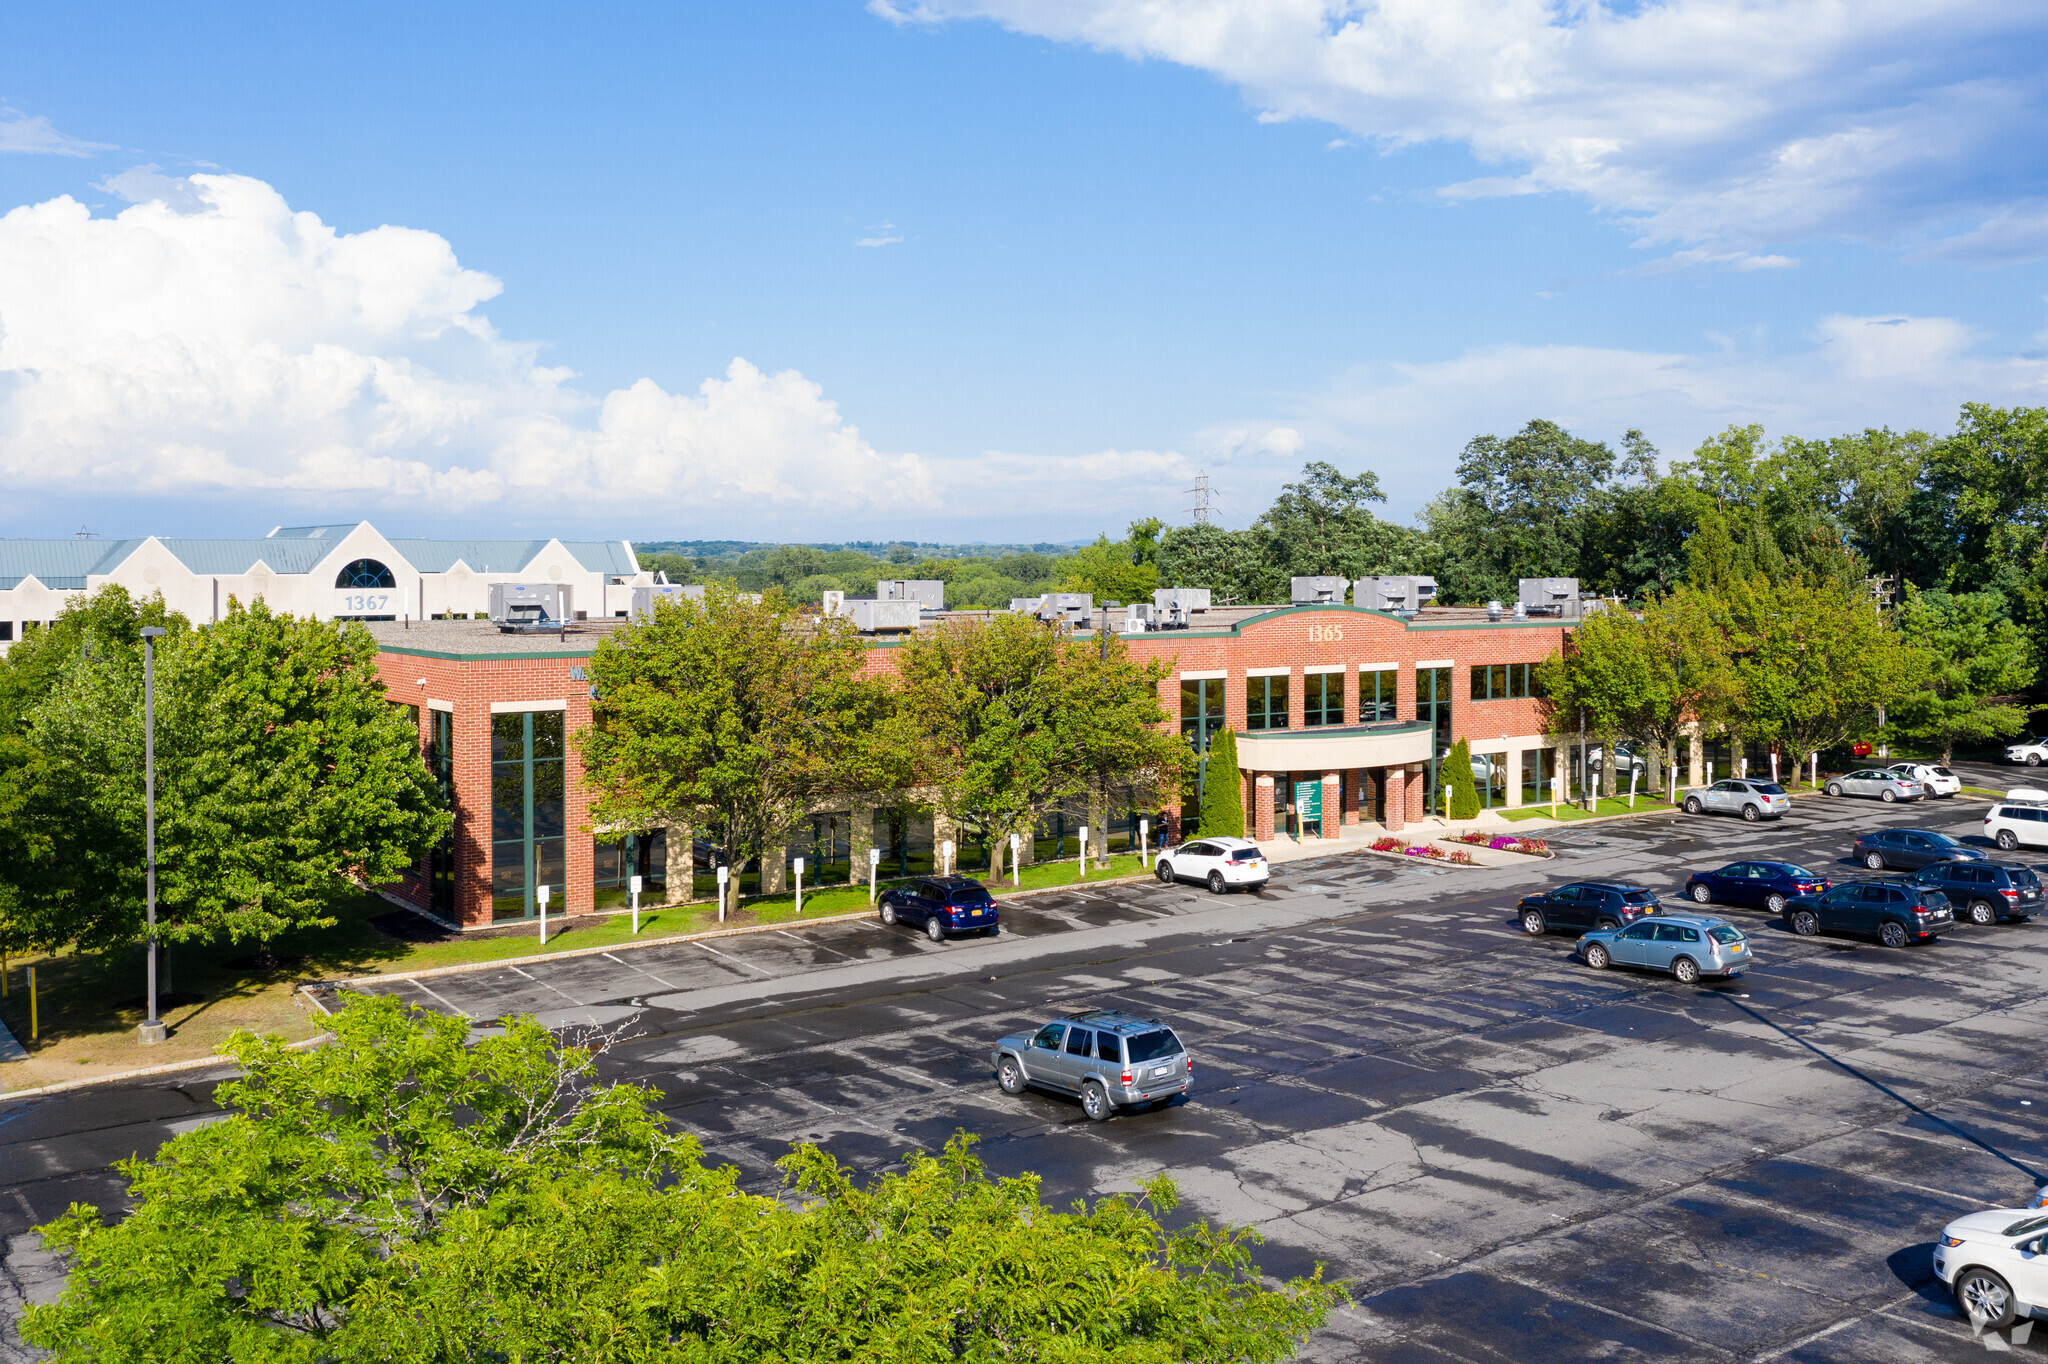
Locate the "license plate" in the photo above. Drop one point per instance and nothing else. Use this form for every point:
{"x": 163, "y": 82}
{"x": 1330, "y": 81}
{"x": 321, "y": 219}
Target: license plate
{"x": 1736, "y": 948}
{"x": 974, "y": 913}
{"x": 1160, "y": 1074}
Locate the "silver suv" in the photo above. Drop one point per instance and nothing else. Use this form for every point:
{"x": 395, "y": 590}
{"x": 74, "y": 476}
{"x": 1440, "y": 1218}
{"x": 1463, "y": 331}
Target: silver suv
{"x": 1111, "y": 1059}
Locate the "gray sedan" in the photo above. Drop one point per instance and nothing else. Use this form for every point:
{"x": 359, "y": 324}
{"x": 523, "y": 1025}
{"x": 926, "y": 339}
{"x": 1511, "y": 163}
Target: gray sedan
{"x": 1877, "y": 784}
{"x": 1753, "y": 800}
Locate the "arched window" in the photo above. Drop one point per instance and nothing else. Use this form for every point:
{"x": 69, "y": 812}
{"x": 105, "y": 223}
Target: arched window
{"x": 365, "y": 573}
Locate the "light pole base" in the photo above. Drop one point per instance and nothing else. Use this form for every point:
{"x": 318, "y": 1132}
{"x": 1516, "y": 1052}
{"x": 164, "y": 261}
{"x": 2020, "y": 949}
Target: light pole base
{"x": 152, "y": 1032}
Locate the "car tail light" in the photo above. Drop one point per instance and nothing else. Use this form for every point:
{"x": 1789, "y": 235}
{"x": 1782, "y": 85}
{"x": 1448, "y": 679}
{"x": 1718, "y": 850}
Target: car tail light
{"x": 1191, "y": 1065}
{"x": 1124, "y": 1078}
{"x": 2009, "y": 893}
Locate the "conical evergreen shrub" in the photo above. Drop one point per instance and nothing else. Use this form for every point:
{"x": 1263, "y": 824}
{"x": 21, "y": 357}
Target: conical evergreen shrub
{"x": 1223, "y": 790}
{"x": 1464, "y": 787}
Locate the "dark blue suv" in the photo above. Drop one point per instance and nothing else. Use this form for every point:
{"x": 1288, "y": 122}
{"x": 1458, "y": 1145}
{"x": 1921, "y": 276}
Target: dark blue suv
{"x": 944, "y": 905}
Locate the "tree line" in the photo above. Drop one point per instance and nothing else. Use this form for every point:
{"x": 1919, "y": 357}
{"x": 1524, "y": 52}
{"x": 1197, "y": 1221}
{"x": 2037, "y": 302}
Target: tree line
{"x": 738, "y": 716}
{"x": 283, "y": 773}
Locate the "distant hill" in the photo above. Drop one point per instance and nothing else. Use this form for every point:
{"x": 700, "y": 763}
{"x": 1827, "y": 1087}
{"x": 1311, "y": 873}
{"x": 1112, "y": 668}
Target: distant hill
{"x": 880, "y": 549}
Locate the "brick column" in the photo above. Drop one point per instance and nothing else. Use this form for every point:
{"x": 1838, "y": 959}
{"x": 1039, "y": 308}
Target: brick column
{"x": 1351, "y": 794}
{"x": 1262, "y": 807}
{"x": 1416, "y": 794}
{"x": 1333, "y": 800}
{"x": 680, "y": 884}
{"x": 774, "y": 869}
{"x": 1394, "y": 797}
{"x": 1696, "y": 762}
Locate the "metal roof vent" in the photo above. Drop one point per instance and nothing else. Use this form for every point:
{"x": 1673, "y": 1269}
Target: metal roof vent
{"x": 531, "y": 608}
{"x": 1402, "y": 596}
{"x": 1551, "y": 597}
{"x": 1317, "y": 591}
{"x": 1493, "y": 610}
{"x": 1173, "y": 607}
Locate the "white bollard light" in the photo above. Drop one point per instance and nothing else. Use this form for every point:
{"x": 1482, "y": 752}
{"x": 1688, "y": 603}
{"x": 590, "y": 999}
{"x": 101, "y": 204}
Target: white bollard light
{"x": 799, "y": 887}
{"x": 1633, "y": 774}
{"x": 1083, "y": 859}
{"x": 540, "y": 893}
{"x": 949, "y": 856}
{"x": 1814, "y": 780}
{"x": 724, "y": 876}
{"x": 1016, "y": 851}
{"x": 874, "y": 866}
{"x": 1145, "y": 844}
{"x": 1710, "y": 771}
{"x": 1774, "y": 767}
{"x": 633, "y": 889}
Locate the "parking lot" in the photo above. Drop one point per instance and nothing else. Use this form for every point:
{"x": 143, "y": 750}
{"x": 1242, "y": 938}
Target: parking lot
{"x": 1510, "y": 1156}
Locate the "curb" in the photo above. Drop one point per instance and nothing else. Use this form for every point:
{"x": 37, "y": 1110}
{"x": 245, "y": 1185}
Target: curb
{"x": 168, "y": 1068}
{"x": 433, "y": 972}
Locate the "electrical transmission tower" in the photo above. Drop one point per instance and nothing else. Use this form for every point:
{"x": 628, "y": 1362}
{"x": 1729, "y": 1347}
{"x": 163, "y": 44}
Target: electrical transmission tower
{"x": 1199, "y": 508}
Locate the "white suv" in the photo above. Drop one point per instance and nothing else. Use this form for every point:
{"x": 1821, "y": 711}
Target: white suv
{"x": 2017, "y": 824}
{"x": 1939, "y": 781}
{"x": 2032, "y": 752}
{"x": 1221, "y": 862}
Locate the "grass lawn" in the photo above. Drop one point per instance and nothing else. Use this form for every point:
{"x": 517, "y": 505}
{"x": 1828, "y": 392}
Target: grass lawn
{"x": 1611, "y": 805}
{"x": 90, "y": 1003}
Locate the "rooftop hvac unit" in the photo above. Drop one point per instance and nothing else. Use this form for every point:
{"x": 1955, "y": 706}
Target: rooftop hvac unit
{"x": 1317, "y": 591}
{"x": 1077, "y": 609}
{"x": 831, "y": 603}
{"x": 644, "y": 598}
{"x": 871, "y": 616}
{"x": 1172, "y": 607}
{"x": 524, "y": 607}
{"x": 1551, "y": 596}
{"x": 929, "y": 593}
{"x": 1138, "y": 617}
{"x": 1593, "y": 606}
{"x": 1403, "y": 596}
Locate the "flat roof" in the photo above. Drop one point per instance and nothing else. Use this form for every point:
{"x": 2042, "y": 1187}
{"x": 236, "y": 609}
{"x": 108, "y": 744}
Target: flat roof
{"x": 482, "y": 639}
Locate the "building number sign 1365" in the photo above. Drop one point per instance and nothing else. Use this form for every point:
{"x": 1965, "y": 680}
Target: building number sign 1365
{"x": 1325, "y": 634}
{"x": 365, "y": 601}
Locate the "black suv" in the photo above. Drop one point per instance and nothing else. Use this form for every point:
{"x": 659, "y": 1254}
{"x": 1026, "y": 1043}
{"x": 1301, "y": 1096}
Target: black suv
{"x": 1909, "y": 849}
{"x": 1984, "y": 892}
{"x": 1893, "y": 912}
{"x": 1582, "y": 905}
{"x": 945, "y": 905}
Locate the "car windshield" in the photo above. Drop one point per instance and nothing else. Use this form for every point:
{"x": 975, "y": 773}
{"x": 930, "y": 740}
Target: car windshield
{"x": 2027, "y": 1226}
{"x": 1939, "y": 840}
{"x": 2023, "y": 878}
{"x": 1244, "y": 854}
{"x": 1723, "y": 933}
{"x": 1768, "y": 788}
{"x": 1150, "y": 1046}
{"x": 1943, "y": 772}
{"x": 1798, "y": 873}
{"x": 1638, "y": 897}
{"x": 970, "y": 895}
{"x": 1930, "y": 896}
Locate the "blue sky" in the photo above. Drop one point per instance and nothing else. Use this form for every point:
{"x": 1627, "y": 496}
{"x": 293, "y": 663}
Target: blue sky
{"x": 976, "y": 269}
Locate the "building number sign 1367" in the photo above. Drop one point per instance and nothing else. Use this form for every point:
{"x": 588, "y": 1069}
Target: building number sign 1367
{"x": 365, "y": 601}
{"x": 1325, "y": 634}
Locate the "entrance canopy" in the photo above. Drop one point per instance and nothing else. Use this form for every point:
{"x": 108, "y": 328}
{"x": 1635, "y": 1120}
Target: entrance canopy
{"x": 1335, "y": 749}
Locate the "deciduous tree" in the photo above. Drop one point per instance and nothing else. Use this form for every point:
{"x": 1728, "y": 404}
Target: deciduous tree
{"x": 1977, "y": 661}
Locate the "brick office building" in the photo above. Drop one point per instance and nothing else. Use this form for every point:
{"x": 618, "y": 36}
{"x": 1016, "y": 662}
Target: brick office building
{"x": 1341, "y": 714}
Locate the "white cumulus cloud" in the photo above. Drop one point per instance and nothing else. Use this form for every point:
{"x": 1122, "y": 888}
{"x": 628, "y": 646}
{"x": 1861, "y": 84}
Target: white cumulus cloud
{"x": 1741, "y": 122}
{"x": 210, "y": 339}
{"x": 37, "y": 137}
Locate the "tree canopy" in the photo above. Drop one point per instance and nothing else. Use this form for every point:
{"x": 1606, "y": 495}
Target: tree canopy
{"x": 403, "y": 1196}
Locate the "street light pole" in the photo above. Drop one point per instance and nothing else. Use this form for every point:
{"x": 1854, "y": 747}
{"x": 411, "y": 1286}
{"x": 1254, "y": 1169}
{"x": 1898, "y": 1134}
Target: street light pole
{"x": 152, "y": 1030}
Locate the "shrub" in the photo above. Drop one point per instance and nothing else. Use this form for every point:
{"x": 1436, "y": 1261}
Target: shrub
{"x": 1464, "y": 790}
{"x": 1223, "y": 791}
{"x": 1387, "y": 845}
{"x": 1460, "y": 856}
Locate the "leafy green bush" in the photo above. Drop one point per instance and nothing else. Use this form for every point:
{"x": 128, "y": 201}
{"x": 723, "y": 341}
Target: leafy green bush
{"x": 1223, "y": 792}
{"x": 1458, "y": 779}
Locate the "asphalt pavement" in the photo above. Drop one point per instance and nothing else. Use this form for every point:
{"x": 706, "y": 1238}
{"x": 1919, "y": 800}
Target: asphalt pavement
{"x": 1509, "y": 1155}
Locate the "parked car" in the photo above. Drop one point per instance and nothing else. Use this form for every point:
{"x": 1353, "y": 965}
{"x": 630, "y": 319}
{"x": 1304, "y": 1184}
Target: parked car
{"x": 1584, "y": 905}
{"x": 1878, "y": 784}
{"x": 1996, "y": 1263}
{"x": 1911, "y": 849}
{"x": 1625, "y": 757}
{"x": 1938, "y": 780}
{"x": 1768, "y": 884}
{"x": 2033, "y": 752}
{"x": 2017, "y": 824}
{"x": 942, "y": 905}
{"x": 1687, "y": 945}
{"x": 1110, "y": 1058}
{"x": 1221, "y": 863}
{"x": 1861, "y": 748}
{"x": 1893, "y": 912}
{"x": 1751, "y": 799}
{"x": 1984, "y": 892}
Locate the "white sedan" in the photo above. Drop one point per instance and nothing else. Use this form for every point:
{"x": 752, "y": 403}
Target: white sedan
{"x": 1221, "y": 863}
{"x": 1938, "y": 781}
{"x": 1996, "y": 1263}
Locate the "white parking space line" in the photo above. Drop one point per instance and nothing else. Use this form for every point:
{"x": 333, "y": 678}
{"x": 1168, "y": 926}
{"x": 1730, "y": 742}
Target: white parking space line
{"x": 459, "y": 1013}
{"x": 727, "y": 956}
{"x": 643, "y": 971}
{"x": 811, "y": 942}
{"x": 544, "y": 985}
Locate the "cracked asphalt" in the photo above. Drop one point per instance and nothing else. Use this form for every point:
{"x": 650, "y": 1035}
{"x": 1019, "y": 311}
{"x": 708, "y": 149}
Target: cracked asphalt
{"x": 1509, "y": 1155}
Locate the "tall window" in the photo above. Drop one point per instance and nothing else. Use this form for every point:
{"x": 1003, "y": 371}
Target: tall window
{"x": 1201, "y": 710}
{"x": 1433, "y": 705}
{"x": 1376, "y": 696}
{"x": 441, "y": 861}
{"x": 365, "y": 573}
{"x": 1322, "y": 699}
{"x": 1265, "y": 702}
{"x": 527, "y": 811}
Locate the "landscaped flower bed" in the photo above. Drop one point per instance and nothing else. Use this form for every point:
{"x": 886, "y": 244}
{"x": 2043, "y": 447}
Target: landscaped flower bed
{"x": 1435, "y": 854}
{"x": 1535, "y": 847}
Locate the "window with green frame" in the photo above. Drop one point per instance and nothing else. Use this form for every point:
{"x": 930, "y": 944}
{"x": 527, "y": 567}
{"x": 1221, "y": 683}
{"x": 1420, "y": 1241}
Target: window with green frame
{"x": 1503, "y": 681}
{"x": 528, "y": 812}
{"x": 1265, "y": 702}
{"x": 1322, "y": 699}
{"x": 1376, "y": 692}
{"x": 441, "y": 861}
